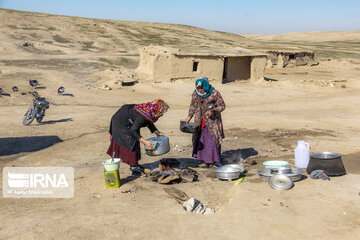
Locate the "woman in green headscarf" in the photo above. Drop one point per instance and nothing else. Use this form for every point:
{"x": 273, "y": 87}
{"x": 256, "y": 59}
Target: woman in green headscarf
{"x": 206, "y": 107}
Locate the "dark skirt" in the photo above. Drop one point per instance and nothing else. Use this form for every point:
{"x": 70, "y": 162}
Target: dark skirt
{"x": 126, "y": 155}
{"x": 206, "y": 149}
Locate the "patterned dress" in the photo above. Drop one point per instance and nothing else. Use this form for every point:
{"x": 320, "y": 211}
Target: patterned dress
{"x": 205, "y": 149}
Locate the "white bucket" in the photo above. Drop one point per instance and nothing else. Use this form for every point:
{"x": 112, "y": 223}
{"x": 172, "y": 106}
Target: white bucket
{"x": 111, "y": 166}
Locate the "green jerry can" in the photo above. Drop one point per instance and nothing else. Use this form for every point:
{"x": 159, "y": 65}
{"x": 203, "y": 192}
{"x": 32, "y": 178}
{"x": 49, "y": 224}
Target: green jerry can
{"x": 112, "y": 179}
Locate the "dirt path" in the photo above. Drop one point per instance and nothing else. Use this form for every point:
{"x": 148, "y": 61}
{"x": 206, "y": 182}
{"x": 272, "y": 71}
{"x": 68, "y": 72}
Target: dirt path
{"x": 75, "y": 134}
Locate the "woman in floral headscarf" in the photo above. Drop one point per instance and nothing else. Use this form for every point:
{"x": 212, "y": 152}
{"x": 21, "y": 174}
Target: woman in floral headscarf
{"x": 206, "y": 107}
{"x": 125, "y": 130}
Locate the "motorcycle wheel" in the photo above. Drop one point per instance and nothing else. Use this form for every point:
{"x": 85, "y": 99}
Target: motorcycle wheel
{"x": 29, "y": 116}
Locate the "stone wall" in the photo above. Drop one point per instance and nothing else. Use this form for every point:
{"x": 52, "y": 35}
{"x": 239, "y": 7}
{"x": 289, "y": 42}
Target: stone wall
{"x": 284, "y": 59}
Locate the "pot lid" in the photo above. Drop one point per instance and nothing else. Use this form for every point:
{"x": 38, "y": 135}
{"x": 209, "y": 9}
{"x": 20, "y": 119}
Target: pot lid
{"x": 281, "y": 182}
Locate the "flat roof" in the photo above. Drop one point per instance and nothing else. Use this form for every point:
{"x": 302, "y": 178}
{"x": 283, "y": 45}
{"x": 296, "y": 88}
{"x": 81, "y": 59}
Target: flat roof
{"x": 208, "y": 52}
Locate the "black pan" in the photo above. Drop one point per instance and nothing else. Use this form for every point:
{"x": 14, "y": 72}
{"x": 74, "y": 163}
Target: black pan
{"x": 328, "y": 161}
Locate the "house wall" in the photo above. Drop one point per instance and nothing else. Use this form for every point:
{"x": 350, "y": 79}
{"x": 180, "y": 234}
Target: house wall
{"x": 210, "y": 67}
{"x": 160, "y": 65}
{"x": 258, "y": 65}
{"x": 238, "y": 68}
{"x": 154, "y": 65}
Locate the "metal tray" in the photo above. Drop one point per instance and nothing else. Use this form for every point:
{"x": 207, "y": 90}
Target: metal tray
{"x": 295, "y": 175}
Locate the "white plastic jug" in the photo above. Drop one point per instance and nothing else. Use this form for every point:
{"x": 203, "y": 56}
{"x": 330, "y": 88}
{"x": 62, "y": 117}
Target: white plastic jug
{"x": 302, "y": 154}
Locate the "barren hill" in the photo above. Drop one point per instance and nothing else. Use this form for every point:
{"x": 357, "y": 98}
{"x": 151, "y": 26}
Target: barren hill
{"x": 327, "y": 44}
{"x": 315, "y": 36}
{"x": 119, "y": 40}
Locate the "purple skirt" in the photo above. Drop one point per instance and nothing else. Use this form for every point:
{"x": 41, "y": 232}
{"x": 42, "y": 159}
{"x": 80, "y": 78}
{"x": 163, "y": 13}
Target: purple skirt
{"x": 206, "y": 149}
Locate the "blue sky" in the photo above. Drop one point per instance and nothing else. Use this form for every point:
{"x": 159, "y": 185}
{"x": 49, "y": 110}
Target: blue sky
{"x": 251, "y": 16}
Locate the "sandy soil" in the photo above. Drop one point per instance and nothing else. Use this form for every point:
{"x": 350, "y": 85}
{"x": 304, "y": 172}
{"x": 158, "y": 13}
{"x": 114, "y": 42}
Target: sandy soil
{"x": 263, "y": 120}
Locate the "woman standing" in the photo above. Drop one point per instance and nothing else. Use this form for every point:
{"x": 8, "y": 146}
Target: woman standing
{"x": 207, "y": 105}
{"x": 125, "y": 130}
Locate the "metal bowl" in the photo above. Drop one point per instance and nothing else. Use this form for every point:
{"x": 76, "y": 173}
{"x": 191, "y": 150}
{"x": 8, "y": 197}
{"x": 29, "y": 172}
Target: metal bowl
{"x": 295, "y": 175}
{"x": 229, "y": 172}
{"x": 281, "y": 170}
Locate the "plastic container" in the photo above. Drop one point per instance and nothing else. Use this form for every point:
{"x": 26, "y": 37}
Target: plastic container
{"x": 302, "y": 154}
{"x": 275, "y": 164}
{"x": 111, "y": 166}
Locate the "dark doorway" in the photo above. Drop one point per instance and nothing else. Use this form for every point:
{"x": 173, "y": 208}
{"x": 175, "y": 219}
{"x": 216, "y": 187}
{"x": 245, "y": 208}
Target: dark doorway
{"x": 225, "y": 70}
{"x": 236, "y": 68}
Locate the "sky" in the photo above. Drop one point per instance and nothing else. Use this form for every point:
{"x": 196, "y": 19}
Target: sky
{"x": 241, "y": 16}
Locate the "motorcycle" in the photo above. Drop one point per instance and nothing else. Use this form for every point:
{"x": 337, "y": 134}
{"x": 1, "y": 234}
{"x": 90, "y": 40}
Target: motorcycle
{"x": 37, "y": 110}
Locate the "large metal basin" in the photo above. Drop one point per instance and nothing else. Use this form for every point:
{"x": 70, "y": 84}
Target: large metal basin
{"x": 161, "y": 146}
{"x": 295, "y": 174}
{"x": 229, "y": 172}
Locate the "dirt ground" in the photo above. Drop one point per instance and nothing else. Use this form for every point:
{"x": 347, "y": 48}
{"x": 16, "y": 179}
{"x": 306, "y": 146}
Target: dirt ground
{"x": 263, "y": 121}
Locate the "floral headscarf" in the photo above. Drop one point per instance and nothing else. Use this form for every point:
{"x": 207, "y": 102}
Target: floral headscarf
{"x": 152, "y": 110}
{"x": 205, "y": 85}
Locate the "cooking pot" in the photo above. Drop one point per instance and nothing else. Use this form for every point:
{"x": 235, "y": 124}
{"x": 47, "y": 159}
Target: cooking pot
{"x": 328, "y": 161}
{"x": 161, "y": 146}
{"x": 229, "y": 172}
{"x": 281, "y": 170}
{"x": 189, "y": 127}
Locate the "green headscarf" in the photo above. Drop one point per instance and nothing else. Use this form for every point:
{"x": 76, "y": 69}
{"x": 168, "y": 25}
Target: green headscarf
{"x": 203, "y": 82}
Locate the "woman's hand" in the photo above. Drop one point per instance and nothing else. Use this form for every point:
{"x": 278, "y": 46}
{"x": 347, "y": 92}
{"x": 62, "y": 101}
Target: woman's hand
{"x": 149, "y": 145}
{"x": 209, "y": 113}
{"x": 158, "y": 133}
{"x": 187, "y": 119}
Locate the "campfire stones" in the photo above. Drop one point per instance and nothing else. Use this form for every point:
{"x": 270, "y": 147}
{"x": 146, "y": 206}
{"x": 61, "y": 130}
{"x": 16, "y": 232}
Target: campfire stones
{"x": 169, "y": 176}
{"x": 188, "y": 175}
{"x": 168, "y": 179}
{"x": 177, "y": 194}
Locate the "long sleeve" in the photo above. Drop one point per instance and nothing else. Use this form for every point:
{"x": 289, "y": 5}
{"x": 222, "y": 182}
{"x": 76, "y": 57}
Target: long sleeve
{"x": 135, "y": 128}
{"x": 220, "y": 104}
{"x": 193, "y": 105}
{"x": 152, "y": 127}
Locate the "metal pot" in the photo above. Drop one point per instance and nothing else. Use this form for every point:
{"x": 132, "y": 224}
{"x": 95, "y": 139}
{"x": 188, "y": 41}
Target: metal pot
{"x": 282, "y": 170}
{"x": 161, "y": 146}
{"x": 189, "y": 127}
{"x": 229, "y": 172}
{"x": 328, "y": 161}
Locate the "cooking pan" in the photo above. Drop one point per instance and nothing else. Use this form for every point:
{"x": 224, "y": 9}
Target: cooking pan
{"x": 161, "y": 146}
{"x": 328, "y": 161}
{"x": 189, "y": 127}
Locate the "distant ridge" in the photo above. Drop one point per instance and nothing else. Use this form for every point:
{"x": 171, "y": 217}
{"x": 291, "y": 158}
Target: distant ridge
{"x": 315, "y": 36}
